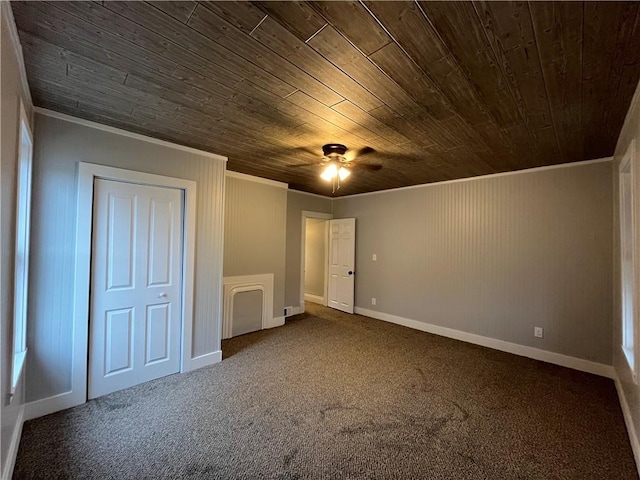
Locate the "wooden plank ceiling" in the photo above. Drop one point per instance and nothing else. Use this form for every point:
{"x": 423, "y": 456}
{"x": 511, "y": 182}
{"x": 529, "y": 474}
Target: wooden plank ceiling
{"x": 440, "y": 90}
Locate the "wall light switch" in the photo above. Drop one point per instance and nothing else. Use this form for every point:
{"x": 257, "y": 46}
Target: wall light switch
{"x": 374, "y": 257}
{"x": 537, "y": 332}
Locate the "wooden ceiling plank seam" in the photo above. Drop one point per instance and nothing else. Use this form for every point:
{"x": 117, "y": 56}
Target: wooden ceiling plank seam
{"x": 617, "y": 72}
{"x": 362, "y": 117}
{"x": 360, "y": 82}
{"x": 354, "y": 24}
{"x": 282, "y": 42}
{"x": 436, "y": 85}
{"x": 437, "y": 24}
{"x": 597, "y": 70}
{"x": 365, "y": 125}
{"x": 183, "y": 56}
{"x": 329, "y": 50}
{"x": 402, "y": 99}
{"x": 83, "y": 51}
{"x": 67, "y": 22}
{"x": 484, "y": 112}
{"x": 514, "y": 93}
{"x": 389, "y": 116}
{"x": 219, "y": 30}
{"x": 177, "y": 10}
{"x": 298, "y": 17}
{"x": 435, "y": 88}
{"x": 155, "y": 78}
{"x": 561, "y": 60}
{"x": 393, "y": 62}
{"x": 564, "y": 108}
{"x": 148, "y": 100}
{"x": 245, "y": 16}
{"x": 313, "y": 106}
{"x": 105, "y": 101}
{"x": 316, "y": 33}
{"x": 178, "y": 99}
{"x": 533, "y": 105}
{"x": 487, "y": 75}
{"x": 205, "y": 54}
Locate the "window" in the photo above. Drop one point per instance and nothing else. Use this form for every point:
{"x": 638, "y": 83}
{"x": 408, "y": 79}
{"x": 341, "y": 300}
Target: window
{"x": 23, "y": 214}
{"x": 628, "y": 255}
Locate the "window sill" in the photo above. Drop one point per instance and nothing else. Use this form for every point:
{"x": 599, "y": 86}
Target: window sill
{"x": 19, "y": 359}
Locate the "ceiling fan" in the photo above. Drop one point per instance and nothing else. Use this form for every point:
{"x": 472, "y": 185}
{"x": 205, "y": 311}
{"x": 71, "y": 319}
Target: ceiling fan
{"x": 337, "y": 163}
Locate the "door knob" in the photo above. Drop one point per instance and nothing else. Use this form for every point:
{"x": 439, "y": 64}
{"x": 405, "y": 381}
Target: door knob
{"x": 162, "y": 295}
{"x": 350, "y": 272}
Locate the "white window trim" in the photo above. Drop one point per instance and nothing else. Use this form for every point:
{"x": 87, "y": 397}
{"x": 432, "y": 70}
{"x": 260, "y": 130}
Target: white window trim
{"x": 21, "y": 269}
{"x": 629, "y": 166}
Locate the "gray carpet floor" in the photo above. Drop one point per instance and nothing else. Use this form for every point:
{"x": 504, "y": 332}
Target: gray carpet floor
{"x": 331, "y": 395}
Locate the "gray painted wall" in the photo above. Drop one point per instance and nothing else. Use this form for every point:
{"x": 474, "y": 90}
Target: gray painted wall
{"x": 631, "y": 390}
{"x": 296, "y": 203}
{"x": 315, "y": 260}
{"x": 254, "y": 233}
{"x": 11, "y": 91}
{"x": 59, "y": 146}
{"x": 495, "y": 256}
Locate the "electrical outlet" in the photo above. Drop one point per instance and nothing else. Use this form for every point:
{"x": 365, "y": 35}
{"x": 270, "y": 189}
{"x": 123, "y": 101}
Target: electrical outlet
{"x": 373, "y": 300}
{"x": 374, "y": 257}
{"x": 538, "y": 331}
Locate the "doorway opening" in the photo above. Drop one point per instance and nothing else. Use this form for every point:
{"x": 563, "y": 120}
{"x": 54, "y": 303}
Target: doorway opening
{"x": 315, "y": 258}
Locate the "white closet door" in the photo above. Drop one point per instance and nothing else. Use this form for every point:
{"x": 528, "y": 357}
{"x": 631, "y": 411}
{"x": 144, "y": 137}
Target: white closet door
{"x": 136, "y": 285}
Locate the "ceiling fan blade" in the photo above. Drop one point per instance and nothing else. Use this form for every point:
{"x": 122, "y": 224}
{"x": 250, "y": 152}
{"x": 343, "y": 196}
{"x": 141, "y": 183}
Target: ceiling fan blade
{"x": 310, "y": 164}
{"x": 351, "y": 155}
{"x": 364, "y": 151}
{"x": 371, "y": 167}
{"x": 309, "y": 150}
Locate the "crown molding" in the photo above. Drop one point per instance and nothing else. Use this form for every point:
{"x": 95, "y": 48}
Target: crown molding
{"x": 126, "y": 133}
{"x": 7, "y": 14}
{"x": 252, "y": 178}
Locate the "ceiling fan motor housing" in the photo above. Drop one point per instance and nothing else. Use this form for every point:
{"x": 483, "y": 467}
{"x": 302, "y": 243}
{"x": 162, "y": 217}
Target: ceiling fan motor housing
{"x": 333, "y": 150}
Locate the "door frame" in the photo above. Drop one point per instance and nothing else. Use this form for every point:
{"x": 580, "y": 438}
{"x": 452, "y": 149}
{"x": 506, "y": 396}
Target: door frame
{"x": 87, "y": 173}
{"x": 323, "y": 216}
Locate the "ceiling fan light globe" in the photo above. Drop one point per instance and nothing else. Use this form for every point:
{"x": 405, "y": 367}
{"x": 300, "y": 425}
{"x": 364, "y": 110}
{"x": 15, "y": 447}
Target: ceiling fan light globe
{"x": 343, "y": 173}
{"x": 330, "y": 172}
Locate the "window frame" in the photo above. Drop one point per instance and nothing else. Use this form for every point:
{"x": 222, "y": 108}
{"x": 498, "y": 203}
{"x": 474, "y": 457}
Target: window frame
{"x": 22, "y": 243}
{"x": 628, "y": 180}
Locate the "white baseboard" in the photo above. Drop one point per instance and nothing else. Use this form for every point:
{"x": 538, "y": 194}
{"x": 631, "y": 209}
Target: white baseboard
{"x": 297, "y": 311}
{"x": 628, "y": 420}
{"x": 275, "y": 322}
{"x": 48, "y": 405}
{"x": 205, "y": 360}
{"x": 509, "y": 347}
{"x": 308, "y": 297}
{"x": 62, "y": 401}
{"x": 12, "y": 454}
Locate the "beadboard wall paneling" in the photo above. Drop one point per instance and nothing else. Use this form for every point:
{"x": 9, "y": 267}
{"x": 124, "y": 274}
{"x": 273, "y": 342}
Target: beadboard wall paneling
{"x": 254, "y": 233}
{"x": 494, "y": 256}
{"x": 59, "y": 146}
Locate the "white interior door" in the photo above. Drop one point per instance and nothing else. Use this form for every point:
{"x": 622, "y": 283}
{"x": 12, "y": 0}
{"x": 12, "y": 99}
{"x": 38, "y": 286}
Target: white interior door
{"x": 136, "y": 285}
{"x": 342, "y": 247}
